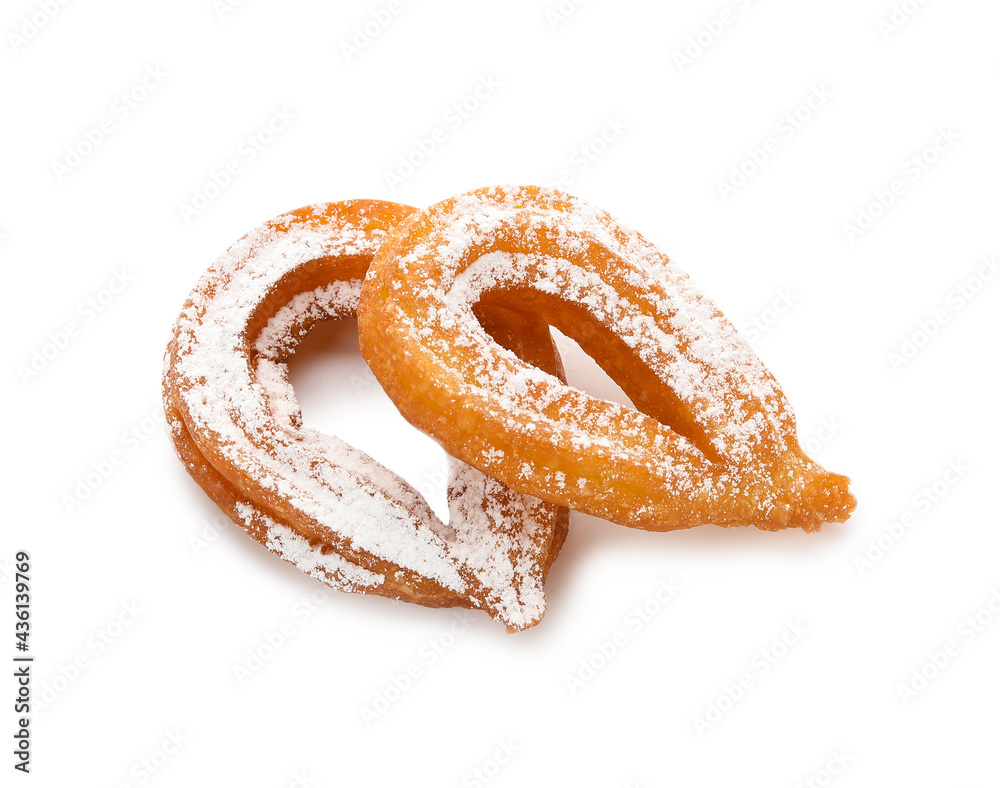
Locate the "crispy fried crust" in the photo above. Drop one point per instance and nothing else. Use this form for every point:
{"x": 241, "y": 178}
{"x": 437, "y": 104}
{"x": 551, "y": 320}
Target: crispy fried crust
{"x": 313, "y": 500}
{"x": 713, "y": 440}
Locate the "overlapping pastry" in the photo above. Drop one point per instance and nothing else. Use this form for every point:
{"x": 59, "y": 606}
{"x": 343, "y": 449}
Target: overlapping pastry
{"x": 712, "y": 440}
{"x": 453, "y": 320}
{"x": 312, "y": 499}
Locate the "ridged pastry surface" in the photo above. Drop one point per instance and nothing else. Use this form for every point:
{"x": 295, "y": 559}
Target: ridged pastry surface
{"x": 311, "y": 498}
{"x": 713, "y": 437}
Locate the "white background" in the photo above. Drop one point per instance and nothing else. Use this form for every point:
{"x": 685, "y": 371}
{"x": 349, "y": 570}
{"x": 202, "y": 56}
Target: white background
{"x": 116, "y": 691}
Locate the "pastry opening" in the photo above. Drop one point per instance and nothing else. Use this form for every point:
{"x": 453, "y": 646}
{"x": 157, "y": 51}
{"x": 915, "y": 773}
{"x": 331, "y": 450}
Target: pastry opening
{"x": 583, "y": 373}
{"x": 602, "y": 365}
{"x": 339, "y": 395}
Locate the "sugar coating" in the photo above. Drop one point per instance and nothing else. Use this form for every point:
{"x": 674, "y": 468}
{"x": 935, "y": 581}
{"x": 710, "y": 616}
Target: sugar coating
{"x": 331, "y": 568}
{"x": 507, "y": 564}
{"x": 647, "y": 302}
{"x": 241, "y": 400}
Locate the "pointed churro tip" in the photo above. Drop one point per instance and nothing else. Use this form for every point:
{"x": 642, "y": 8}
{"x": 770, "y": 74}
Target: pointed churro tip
{"x": 825, "y": 498}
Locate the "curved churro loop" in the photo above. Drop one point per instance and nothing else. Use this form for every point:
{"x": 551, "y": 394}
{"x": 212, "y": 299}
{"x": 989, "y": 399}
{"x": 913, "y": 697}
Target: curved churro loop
{"x": 314, "y": 500}
{"x": 713, "y": 440}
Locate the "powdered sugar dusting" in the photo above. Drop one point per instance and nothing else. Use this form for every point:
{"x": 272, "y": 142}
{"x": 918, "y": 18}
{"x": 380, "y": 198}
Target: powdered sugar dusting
{"x": 324, "y": 479}
{"x": 280, "y": 336}
{"x": 506, "y": 564}
{"x": 333, "y": 570}
{"x": 235, "y": 390}
{"x": 612, "y": 277}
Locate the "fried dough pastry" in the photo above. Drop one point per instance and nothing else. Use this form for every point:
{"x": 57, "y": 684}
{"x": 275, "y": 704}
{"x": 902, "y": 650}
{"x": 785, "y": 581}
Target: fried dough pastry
{"x": 712, "y": 440}
{"x": 324, "y": 506}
